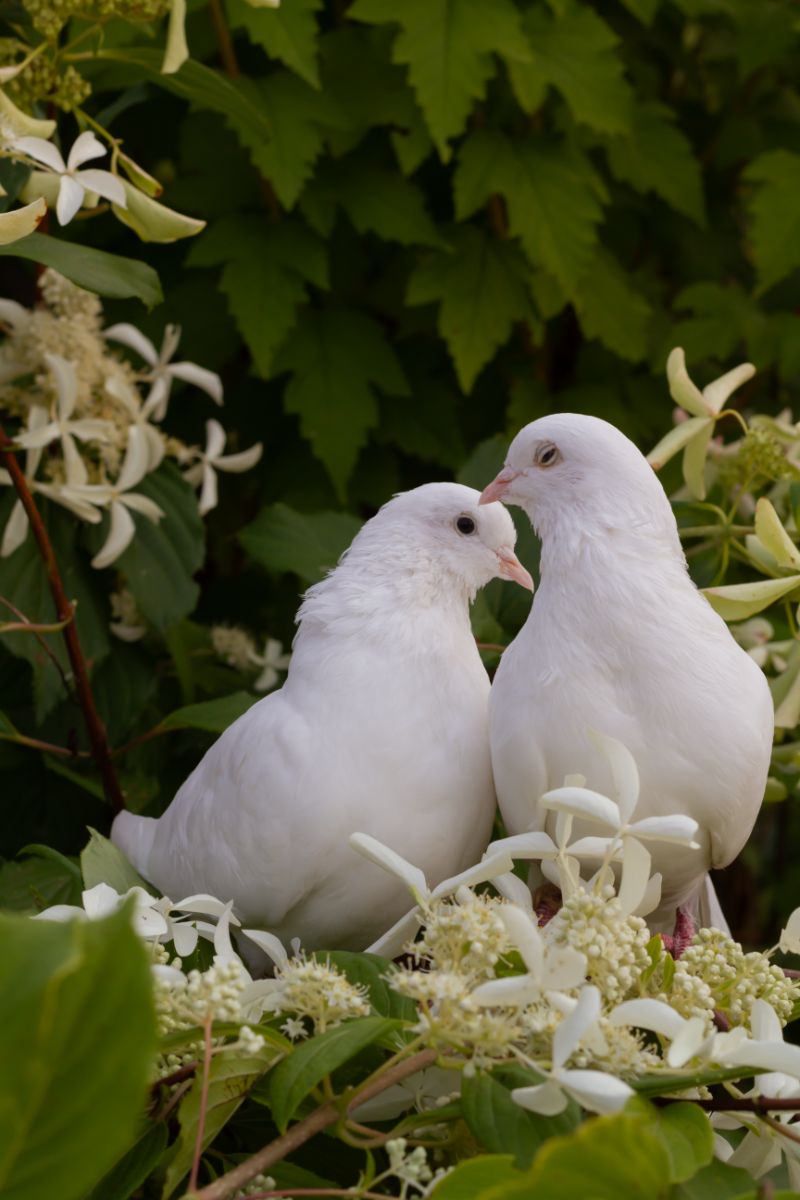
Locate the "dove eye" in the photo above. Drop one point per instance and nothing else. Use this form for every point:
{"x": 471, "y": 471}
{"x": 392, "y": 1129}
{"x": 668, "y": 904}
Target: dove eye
{"x": 465, "y": 525}
{"x": 547, "y": 455}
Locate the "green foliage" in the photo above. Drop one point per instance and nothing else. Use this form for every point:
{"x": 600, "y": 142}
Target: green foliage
{"x": 106, "y": 274}
{"x": 76, "y": 1038}
{"x": 500, "y": 1125}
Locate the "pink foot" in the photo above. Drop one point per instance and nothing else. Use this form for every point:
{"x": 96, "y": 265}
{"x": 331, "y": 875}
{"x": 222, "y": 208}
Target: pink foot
{"x": 681, "y": 936}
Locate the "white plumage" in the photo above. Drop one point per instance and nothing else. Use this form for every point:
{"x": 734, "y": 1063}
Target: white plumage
{"x": 381, "y": 727}
{"x": 620, "y": 640}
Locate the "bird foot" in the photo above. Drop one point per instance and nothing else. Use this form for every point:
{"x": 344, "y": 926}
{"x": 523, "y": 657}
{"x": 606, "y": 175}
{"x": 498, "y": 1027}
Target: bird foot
{"x": 546, "y": 902}
{"x": 682, "y": 934}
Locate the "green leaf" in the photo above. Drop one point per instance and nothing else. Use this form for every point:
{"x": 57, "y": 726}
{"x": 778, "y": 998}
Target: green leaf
{"x": 8, "y": 731}
{"x": 127, "y": 1175}
{"x": 685, "y": 1132}
{"x": 107, "y": 274}
{"x": 338, "y": 357}
{"x": 161, "y": 560}
{"x": 575, "y": 52}
{"x": 371, "y": 970}
{"x": 297, "y": 116}
{"x": 448, "y": 47}
{"x": 23, "y": 581}
{"x": 472, "y": 1179}
{"x": 738, "y": 601}
{"x": 775, "y": 215}
{"x": 503, "y": 1127}
{"x": 36, "y": 883}
{"x": 717, "y": 1181}
{"x": 481, "y": 287}
{"x": 657, "y": 157}
{"x": 288, "y": 32}
{"x": 196, "y": 83}
{"x": 379, "y": 201}
{"x": 103, "y": 862}
{"x": 265, "y": 278}
{"x": 610, "y": 308}
{"x": 553, "y": 197}
{"x": 212, "y": 715}
{"x": 230, "y": 1078}
{"x": 309, "y": 544}
{"x": 311, "y": 1061}
{"x": 645, "y": 10}
{"x": 605, "y": 1159}
{"x": 722, "y": 317}
{"x": 77, "y": 1037}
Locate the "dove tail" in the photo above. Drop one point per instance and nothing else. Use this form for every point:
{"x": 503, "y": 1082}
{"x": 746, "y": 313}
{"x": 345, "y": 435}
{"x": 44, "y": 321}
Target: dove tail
{"x": 709, "y": 909}
{"x": 134, "y": 836}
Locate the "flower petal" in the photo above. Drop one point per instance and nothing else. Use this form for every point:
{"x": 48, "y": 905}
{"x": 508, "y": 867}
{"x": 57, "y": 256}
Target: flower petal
{"x": 66, "y": 384}
{"x": 574, "y": 1028}
{"x": 209, "y": 495}
{"x": 513, "y": 991}
{"x": 771, "y": 1056}
{"x": 525, "y": 936}
{"x": 683, "y": 391}
{"x": 765, "y": 1023}
{"x": 676, "y": 828}
{"x": 144, "y": 505}
{"x": 583, "y": 802}
{"x": 184, "y": 938}
{"x": 654, "y": 1015}
{"x": 16, "y": 530}
{"x": 134, "y": 466}
{"x": 271, "y": 945}
{"x": 100, "y": 901}
{"x": 564, "y": 969}
{"x": 70, "y": 198}
{"x": 674, "y": 441}
{"x": 717, "y": 393}
{"x": 693, "y": 1040}
{"x": 85, "y": 146}
{"x": 636, "y": 863}
{"x": 394, "y": 863}
{"x": 694, "y": 461}
{"x": 74, "y": 466}
{"x": 215, "y": 440}
{"x": 390, "y": 944}
{"x": 130, "y": 336}
{"x": 207, "y": 381}
{"x": 536, "y": 844}
{"x": 512, "y": 888}
{"x": 104, "y": 183}
{"x": 624, "y": 771}
{"x": 596, "y": 1091}
{"x": 547, "y": 1099}
{"x": 42, "y": 151}
{"x": 790, "y": 936}
{"x": 120, "y": 534}
{"x": 482, "y": 872}
{"x": 19, "y": 223}
{"x": 242, "y": 461}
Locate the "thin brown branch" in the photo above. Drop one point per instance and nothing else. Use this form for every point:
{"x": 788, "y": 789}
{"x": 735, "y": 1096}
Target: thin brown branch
{"x": 201, "y": 1120}
{"x": 327, "y": 1114}
{"x": 779, "y": 1127}
{"x": 64, "y": 612}
{"x": 751, "y": 1104}
{"x": 37, "y": 634}
{"x": 21, "y": 739}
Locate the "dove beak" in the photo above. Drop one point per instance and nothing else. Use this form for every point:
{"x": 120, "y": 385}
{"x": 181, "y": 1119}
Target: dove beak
{"x": 511, "y": 568}
{"x": 497, "y": 488}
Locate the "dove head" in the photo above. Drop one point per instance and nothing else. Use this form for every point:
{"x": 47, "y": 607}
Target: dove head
{"x": 442, "y": 528}
{"x": 576, "y": 475}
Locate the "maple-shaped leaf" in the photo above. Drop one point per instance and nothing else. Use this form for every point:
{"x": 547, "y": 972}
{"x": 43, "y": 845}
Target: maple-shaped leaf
{"x": 722, "y": 317}
{"x": 448, "y": 47}
{"x": 656, "y": 157}
{"x": 775, "y": 215}
{"x": 482, "y": 290}
{"x": 375, "y": 199}
{"x": 338, "y": 358}
{"x": 265, "y": 276}
{"x": 610, "y": 308}
{"x": 288, "y": 32}
{"x": 576, "y": 54}
{"x": 553, "y": 196}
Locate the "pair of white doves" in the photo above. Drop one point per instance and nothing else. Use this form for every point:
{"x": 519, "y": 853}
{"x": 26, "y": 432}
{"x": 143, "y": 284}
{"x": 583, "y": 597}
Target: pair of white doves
{"x": 387, "y": 724}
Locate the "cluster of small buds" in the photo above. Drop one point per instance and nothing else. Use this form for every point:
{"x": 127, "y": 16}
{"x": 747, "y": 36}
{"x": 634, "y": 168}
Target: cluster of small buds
{"x": 687, "y": 993}
{"x": 319, "y": 991}
{"x": 760, "y": 455}
{"x": 257, "y": 1185}
{"x": 737, "y": 979}
{"x": 234, "y": 646}
{"x": 46, "y": 78}
{"x": 409, "y": 1166}
{"x": 449, "y": 1015}
{"x": 615, "y": 945}
{"x": 248, "y": 1041}
{"x": 618, "y": 1051}
{"x": 216, "y": 993}
{"x": 50, "y": 16}
{"x": 464, "y": 935}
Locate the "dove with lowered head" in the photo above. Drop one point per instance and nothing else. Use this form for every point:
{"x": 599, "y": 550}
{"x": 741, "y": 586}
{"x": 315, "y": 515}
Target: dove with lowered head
{"x": 381, "y": 727}
{"x": 619, "y": 640}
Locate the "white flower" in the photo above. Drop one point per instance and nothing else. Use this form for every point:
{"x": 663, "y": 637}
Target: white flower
{"x": 790, "y": 936}
{"x": 74, "y": 183}
{"x": 120, "y": 498}
{"x": 596, "y": 1091}
{"x": 690, "y": 1037}
{"x": 162, "y": 371}
{"x": 271, "y": 662}
{"x": 141, "y": 415}
{"x": 62, "y": 426}
{"x": 211, "y": 460}
{"x": 549, "y": 969}
{"x": 101, "y": 901}
{"x": 390, "y": 943}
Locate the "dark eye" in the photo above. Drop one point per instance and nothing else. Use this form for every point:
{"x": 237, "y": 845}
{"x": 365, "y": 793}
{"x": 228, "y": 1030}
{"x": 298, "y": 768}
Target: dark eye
{"x": 547, "y": 455}
{"x": 465, "y": 525}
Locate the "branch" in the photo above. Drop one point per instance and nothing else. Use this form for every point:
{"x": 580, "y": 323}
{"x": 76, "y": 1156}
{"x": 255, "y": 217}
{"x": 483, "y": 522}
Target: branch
{"x": 36, "y": 631}
{"x": 201, "y": 1120}
{"x": 327, "y": 1114}
{"x": 751, "y": 1104}
{"x": 65, "y": 612}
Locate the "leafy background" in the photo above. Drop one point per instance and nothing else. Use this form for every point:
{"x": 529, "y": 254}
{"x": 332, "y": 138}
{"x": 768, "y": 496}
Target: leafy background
{"x": 429, "y": 222}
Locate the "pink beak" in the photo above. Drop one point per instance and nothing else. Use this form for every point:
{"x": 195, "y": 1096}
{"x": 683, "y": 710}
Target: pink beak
{"x": 512, "y": 568}
{"x": 497, "y": 488}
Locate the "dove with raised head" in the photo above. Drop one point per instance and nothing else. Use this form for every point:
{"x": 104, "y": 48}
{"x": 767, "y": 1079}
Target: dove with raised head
{"x": 381, "y": 727}
{"x": 619, "y": 640}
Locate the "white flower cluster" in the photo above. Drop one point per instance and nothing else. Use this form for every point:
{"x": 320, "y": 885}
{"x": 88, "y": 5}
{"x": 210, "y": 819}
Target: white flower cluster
{"x": 97, "y": 415}
{"x": 317, "y": 991}
{"x": 236, "y": 647}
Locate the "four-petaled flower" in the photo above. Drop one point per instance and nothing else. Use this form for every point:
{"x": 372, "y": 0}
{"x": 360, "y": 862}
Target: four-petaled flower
{"x": 271, "y": 662}
{"x": 162, "y": 371}
{"x": 596, "y": 1091}
{"x": 62, "y": 426}
{"x": 119, "y": 498}
{"x": 74, "y": 183}
{"x": 549, "y": 968}
{"x": 211, "y": 460}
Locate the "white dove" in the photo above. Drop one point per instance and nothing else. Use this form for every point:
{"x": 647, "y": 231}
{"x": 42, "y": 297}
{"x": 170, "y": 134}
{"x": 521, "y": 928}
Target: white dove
{"x": 619, "y": 640}
{"x": 381, "y": 727}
